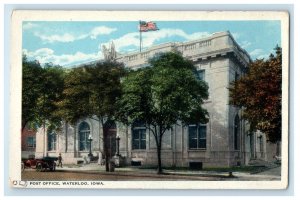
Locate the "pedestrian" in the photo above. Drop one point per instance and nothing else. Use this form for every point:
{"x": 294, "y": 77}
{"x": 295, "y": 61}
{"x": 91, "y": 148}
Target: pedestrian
{"x": 59, "y": 160}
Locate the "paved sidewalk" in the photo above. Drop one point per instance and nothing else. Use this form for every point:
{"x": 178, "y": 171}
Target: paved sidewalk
{"x": 268, "y": 175}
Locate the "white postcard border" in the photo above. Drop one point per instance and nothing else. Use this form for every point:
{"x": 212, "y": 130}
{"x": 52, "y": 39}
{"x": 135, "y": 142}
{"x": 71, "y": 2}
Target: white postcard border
{"x": 46, "y": 15}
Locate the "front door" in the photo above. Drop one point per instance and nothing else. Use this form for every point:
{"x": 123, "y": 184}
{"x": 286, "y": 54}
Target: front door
{"x": 110, "y": 130}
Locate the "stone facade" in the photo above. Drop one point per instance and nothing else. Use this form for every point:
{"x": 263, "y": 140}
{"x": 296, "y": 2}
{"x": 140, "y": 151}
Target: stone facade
{"x": 224, "y": 141}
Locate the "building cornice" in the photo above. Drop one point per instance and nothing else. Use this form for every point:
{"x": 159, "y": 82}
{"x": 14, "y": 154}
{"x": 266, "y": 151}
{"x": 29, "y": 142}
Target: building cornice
{"x": 218, "y": 44}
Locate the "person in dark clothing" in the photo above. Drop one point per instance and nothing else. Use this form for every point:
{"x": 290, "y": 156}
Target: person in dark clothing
{"x": 59, "y": 161}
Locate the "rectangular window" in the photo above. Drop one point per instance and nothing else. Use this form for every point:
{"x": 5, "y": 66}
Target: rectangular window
{"x": 197, "y": 136}
{"x": 236, "y": 76}
{"x": 202, "y": 136}
{"x": 261, "y": 144}
{"x": 31, "y": 143}
{"x": 201, "y": 75}
{"x": 51, "y": 142}
{"x": 139, "y": 138}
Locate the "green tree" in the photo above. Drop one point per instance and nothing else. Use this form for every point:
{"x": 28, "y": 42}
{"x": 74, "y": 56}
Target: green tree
{"x": 75, "y": 97}
{"x": 163, "y": 94}
{"x": 259, "y": 94}
{"x": 42, "y": 87}
{"x": 32, "y": 73}
{"x": 92, "y": 90}
{"x": 52, "y": 88}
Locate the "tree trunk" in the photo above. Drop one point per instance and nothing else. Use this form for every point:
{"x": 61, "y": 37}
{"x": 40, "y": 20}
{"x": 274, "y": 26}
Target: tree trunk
{"x": 104, "y": 144}
{"x": 66, "y": 136}
{"x": 158, "y": 138}
{"x": 159, "y": 167}
{"x": 23, "y": 126}
{"x": 160, "y": 134}
{"x": 105, "y": 150}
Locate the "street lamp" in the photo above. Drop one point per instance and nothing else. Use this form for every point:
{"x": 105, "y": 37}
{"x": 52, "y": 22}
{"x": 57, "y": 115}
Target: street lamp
{"x": 118, "y": 145}
{"x": 90, "y": 141}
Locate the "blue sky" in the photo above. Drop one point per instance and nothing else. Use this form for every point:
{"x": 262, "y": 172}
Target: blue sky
{"x": 70, "y": 43}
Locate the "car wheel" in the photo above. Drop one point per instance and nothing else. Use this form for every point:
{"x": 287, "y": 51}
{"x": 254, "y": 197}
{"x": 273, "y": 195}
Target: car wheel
{"x": 53, "y": 167}
{"x": 39, "y": 167}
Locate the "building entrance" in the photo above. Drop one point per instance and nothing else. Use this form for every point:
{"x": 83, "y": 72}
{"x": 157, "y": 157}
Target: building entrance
{"x": 110, "y": 139}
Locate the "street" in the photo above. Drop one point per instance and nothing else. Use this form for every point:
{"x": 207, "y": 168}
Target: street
{"x": 31, "y": 175}
{"x": 128, "y": 174}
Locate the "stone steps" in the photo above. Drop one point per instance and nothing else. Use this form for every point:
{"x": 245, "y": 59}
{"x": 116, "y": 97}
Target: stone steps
{"x": 261, "y": 165}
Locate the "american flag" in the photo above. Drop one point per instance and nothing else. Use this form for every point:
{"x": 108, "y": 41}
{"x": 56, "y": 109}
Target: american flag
{"x": 147, "y": 26}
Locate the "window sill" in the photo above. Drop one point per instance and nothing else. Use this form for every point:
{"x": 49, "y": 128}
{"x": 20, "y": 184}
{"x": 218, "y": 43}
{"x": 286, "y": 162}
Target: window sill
{"x": 138, "y": 149}
{"x": 196, "y": 150}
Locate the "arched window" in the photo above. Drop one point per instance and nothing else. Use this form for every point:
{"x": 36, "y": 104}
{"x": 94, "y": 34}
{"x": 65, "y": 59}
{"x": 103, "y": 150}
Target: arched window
{"x": 84, "y": 132}
{"x": 110, "y": 124}
{"x": 236, "y": 133}
{"x": 51, "y": 141}
{"x": 138, "y": 135}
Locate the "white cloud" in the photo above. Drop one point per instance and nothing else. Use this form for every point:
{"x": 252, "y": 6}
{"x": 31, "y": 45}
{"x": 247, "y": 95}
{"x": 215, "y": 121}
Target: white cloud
{"x": 29, "y": 25}
{"x": 56, "y": 38}
{"x": 101, "y": 30}
{"x": 68, "y": 37}
{"x": 245, "y": 44}
{"x": 260, "y": 54}
{"x": 148, "y": 38}
{"x": 38, "y": 53}
{"x": 124, "y": 41}
{"x": 46, "y": 55}
{"x": 236, "y": 35}
{"x": 257, "y": 52}
{"x": 263, "y": 56}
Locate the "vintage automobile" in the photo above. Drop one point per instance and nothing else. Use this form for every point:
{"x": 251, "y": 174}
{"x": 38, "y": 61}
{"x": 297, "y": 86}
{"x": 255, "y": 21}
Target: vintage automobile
{"x": 41, "y": 164}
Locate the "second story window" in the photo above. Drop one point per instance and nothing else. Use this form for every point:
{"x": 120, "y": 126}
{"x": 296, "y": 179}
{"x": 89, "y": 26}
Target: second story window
{"x": 236, "y": 76}
{"x": 201, "y": 74}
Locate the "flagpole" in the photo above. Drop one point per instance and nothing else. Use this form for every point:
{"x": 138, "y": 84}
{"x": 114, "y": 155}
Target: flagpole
{"x": 140, "y": 37}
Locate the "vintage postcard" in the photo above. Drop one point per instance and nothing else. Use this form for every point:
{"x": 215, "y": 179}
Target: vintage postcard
{"x": 149, "y": 99}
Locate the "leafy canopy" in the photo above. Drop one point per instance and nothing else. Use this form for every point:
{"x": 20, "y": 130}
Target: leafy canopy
{"x": 163, "y": 94}
{"x": 92, "y": 90}
{"x": 259, "y": 94}
{"x": 31, "y": 90}
{"x": 42, "y": 87}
